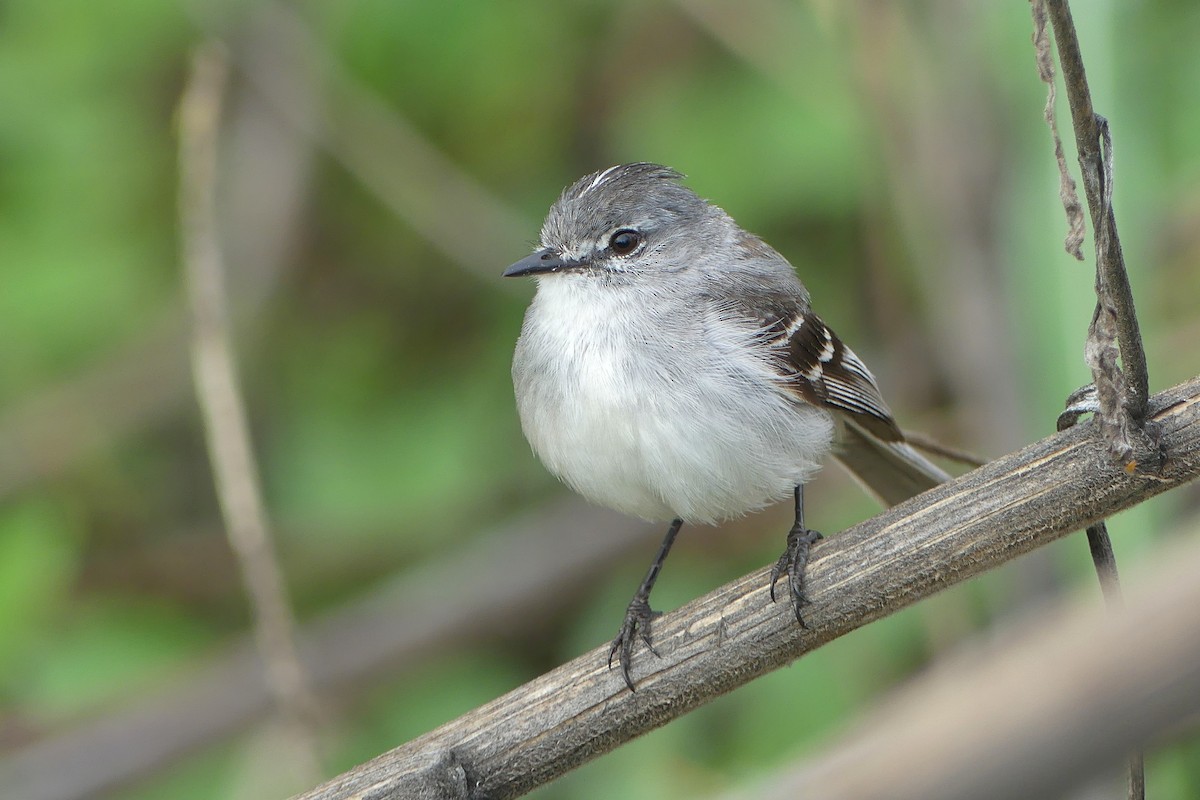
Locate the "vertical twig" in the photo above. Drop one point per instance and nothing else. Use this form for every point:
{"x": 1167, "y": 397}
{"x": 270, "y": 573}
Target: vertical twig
{"x": 1084, "y": 401}
{"x": 1105, "y": 562}
{"x": 1117, "y": 398}
{"x": 219, "y": 396}
{"x": 1115, "y": 315}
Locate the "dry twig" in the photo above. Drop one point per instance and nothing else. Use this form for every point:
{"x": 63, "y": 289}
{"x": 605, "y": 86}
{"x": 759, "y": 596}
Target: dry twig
{"x": 145, "y": 380}
{"x": 219, "y": 395}
{"x": 1066, "y": 184}
{"x": 1122, "y": 393}
{"x": 1119, "y": 396}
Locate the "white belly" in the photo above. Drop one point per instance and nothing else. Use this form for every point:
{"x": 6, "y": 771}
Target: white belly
{"x": 632, "y": 421}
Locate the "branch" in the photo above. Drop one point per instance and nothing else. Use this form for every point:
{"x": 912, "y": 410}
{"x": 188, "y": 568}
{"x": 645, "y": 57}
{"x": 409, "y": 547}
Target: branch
{"x": 515, "y": 567}
{"x": 725, "y": 639}
{"x": 143, "y": 380}
{"x": 1115, "y": 311}
{"x": 375, "y": 143}
{"x": 1018, "y": 717}
{"x": 223, "y": 412}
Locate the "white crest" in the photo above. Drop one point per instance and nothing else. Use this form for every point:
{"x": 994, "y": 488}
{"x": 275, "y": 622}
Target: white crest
{"x": 599, "y": 179}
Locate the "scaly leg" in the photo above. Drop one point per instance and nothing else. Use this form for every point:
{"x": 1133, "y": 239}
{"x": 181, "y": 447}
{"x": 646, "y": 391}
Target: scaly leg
{"x": 795, "y": 558}
{"x": 639, "y": 614}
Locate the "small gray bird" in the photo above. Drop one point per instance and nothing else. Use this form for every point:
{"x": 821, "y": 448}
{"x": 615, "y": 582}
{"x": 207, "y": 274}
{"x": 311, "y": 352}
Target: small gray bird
{"x": 670, "y": 367}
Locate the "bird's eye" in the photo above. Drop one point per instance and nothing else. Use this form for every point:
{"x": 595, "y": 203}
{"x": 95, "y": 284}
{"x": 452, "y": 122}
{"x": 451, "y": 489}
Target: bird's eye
{"x": 624, "y": 241}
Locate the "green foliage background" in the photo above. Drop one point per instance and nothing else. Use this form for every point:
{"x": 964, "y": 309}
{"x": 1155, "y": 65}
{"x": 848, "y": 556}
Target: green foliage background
{"x": 867, "y": 142}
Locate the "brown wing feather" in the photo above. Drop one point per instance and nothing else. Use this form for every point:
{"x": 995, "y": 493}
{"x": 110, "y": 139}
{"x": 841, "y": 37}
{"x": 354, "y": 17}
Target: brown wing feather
{"x": 826, "y": 372}
{"x": 762, "y": 288}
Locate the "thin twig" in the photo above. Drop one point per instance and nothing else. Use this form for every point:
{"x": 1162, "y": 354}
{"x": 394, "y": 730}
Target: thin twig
{"x": 1120, "y": 396}
{"x": 1104, "y": 560}
{"x": 219, "y": 396}
{"x": 931, "y": 446}
{"x": 1085, "y": 401}
{"x": 725, "y": 639}
{"x": 144, "y": 379}
{"x": 1123, "y": 404}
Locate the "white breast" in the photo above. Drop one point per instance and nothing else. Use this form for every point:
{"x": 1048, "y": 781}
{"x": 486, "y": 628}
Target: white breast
{"x": 658, "y": 410}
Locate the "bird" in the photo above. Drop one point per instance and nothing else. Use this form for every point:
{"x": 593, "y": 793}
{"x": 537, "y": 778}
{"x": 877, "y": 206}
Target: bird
{"x": 670, "y": 366}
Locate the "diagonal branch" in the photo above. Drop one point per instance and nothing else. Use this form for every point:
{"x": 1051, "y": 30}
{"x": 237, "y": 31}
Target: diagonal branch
{"x": 1015, "y": 716}
{"x": 376, "y": 144}
{"x": 725, "y": 639}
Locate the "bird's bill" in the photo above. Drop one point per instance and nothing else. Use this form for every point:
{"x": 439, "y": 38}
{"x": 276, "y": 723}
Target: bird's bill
{"x": 539, "y": 263}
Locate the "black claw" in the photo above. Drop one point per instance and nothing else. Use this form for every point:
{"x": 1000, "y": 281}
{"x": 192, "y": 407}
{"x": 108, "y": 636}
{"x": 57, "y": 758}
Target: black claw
{"x": 636, "y": 626}
{"x": 778, "y": 569}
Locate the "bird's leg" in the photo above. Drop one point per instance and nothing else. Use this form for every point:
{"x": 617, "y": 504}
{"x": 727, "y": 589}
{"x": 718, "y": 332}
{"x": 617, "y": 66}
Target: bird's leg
{"x": 638, "y": 615}
{"x": 795, "y": 558}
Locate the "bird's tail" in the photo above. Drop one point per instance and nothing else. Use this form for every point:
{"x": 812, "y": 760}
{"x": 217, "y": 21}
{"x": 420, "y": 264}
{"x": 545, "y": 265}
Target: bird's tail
{"x": 892, "y": 472}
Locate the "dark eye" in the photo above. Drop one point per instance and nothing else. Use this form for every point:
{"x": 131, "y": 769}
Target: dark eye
{"x": 624, "y": 242}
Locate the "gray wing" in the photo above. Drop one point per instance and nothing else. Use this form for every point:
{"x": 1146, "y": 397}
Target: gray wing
{"x": 871, "y": 446}
{"x": 815, "y": 364}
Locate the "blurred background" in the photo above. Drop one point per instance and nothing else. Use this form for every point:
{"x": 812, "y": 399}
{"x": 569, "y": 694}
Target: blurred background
{"x": 380, "y": 163}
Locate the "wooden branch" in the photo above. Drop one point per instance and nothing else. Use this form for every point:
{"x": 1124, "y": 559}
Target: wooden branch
{"x": 1034, "y": 712}
{"x": 725, "y": 639}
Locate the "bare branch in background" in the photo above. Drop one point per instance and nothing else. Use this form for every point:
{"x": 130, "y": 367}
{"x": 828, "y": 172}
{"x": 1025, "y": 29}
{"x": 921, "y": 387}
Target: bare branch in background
{"x": 223, "y": 412}
{"x": 144, "y": 381}
{"x": 551, "y": 553}
{"x": 714, "y": 644}
{"x": 442, "y": 203}
{"x": 934, "y": 448}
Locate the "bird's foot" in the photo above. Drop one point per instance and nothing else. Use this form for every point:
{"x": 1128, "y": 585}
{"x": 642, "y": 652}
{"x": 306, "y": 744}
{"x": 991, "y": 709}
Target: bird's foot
{"x": 636, "y": 626}
{"x": 793, "y": 563}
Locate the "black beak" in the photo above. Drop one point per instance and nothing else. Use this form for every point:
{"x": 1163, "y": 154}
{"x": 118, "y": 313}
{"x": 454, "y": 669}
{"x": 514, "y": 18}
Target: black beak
{"x": 538, "y": 263}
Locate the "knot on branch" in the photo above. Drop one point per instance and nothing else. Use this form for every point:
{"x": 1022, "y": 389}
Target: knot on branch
{"x": 1137, "y": 447}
